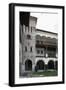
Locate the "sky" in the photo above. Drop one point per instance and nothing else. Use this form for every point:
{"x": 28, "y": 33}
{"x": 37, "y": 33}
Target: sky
{"x": 47, "y": 21}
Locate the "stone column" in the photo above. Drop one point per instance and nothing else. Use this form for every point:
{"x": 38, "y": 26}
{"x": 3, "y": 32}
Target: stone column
{"x": 24, "y": 28}
{"x": 54, "y": 65}
{"x": 46, "y": 67}
{"x": 46, "y": 53}
{"x": 56, "y": 54}
{"x": 22, "y": 68}
{"x": 33, "y": 67}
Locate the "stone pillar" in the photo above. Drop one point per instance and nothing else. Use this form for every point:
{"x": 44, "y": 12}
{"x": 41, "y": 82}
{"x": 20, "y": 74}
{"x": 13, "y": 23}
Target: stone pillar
{"x": 24, "y": 28}
{"x": 33, "y": 67}
{"x": 22, "y": 68}
{"x": 54, "y": 65}
{"x": 46, "y": 53}
{"x": 56, "y": 54}
{"x": 46, "y": 67}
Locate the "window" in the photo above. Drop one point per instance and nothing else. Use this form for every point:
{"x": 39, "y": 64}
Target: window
{"x": 30, "y": 49}
{"x": 28, "y": 37}
{"x": 38, "y": 51}
{"x": 37, "y": 41}
{"x": 28, "y": 29}
{"x": 25, "y": 49}
{"x": 41, "y": 51}
{"x": 41, "y": 42}
{"x": 31, "y": 29}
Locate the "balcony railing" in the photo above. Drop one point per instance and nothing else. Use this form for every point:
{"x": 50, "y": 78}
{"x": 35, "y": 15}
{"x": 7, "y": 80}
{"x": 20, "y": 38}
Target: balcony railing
{"x": 44, "y": 43}
{"x": 49, "y": 54}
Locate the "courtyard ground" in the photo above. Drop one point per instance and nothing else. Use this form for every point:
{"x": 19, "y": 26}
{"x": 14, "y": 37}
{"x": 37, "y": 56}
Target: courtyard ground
{"x": 40, "y": 74}
{"x": 45, "y": 73}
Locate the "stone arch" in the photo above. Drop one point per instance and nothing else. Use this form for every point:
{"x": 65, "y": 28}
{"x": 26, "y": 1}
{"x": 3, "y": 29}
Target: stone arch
{"x": 38, "y": 37}
{"x": 28, "y": 65}
{"x": 40, "y": 65}
{"x": 51, "y": 64}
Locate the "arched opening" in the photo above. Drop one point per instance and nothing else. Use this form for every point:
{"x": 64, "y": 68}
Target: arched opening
{"x": 40, "y": 65}
{"x": 38, "y": 37}
{"x": 28, "y": 65}
{"x": 51, "y": 64}
{"x": 28, "y": 36}
{"x": 56, "y": 65}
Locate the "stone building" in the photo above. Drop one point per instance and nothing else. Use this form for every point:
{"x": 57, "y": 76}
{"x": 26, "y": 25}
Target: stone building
{"x": 38, "y": 48}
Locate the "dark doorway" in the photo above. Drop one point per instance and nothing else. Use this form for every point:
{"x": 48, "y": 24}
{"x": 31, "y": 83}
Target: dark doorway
{"x": 40, "y": 65}
{"x": 51, "y": 64}
{"x": 28, "y": 65}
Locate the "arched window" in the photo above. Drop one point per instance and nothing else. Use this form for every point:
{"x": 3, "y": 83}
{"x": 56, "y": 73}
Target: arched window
{"x": 28, "y": 36}
{"x": 31, "y": 29}
{"x": 31, "y": 49}
{"x": 41, "y": 42}
{"x": 41, "y": 51}
{"x": 25, "y": 49}
{"x": 37, "y": 41}
{"x": 38, "y": 51}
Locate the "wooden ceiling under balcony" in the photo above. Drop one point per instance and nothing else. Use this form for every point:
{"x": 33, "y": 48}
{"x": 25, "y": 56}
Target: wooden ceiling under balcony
{"x": 42, "y": 41}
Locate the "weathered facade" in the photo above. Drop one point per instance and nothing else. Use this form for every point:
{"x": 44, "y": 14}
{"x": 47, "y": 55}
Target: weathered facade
{"x": 38, "y": 48}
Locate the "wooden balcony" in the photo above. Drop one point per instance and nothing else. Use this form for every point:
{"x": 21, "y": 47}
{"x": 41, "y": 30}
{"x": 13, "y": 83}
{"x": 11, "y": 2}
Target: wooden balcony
{"x": 39, "y": 45}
